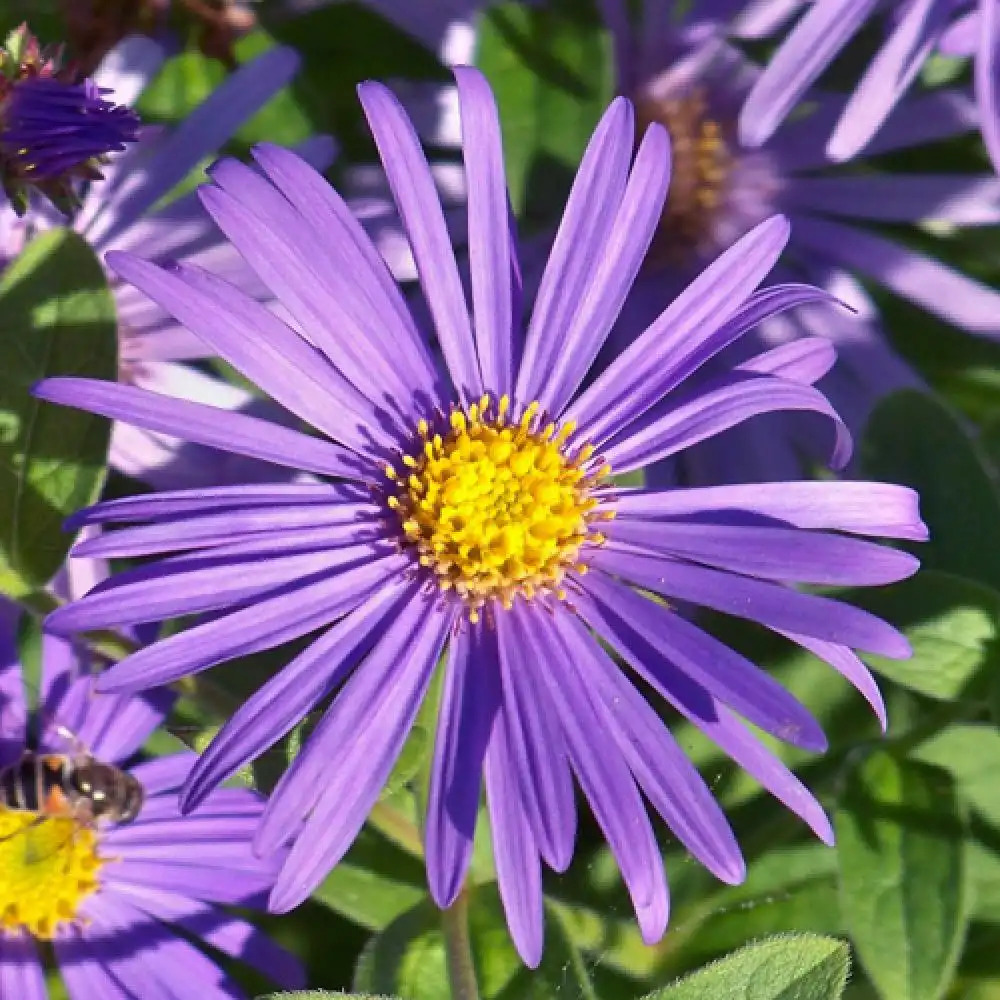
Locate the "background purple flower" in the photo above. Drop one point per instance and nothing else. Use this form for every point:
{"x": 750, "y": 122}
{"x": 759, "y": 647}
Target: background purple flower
{"x": 471, "y": 515}
{"x": 161, "y": 884}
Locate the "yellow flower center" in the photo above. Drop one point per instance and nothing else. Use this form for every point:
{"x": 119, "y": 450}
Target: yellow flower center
{"x": 47, "y": 869}
{"x": 700, "y": 167}
{"x": 497, "y": 507}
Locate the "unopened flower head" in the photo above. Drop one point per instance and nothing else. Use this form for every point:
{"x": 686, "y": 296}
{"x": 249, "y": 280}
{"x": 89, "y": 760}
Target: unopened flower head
{"x": 56, "y": 129}
{"x": 471, "y": 512}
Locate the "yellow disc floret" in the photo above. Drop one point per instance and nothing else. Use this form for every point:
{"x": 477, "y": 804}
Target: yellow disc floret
{"x": 497, "y": 507}
{"x": 48, "y": 868}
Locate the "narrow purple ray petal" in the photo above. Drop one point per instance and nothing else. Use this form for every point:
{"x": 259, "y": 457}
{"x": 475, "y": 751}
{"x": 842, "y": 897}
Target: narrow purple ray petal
{"x": 270, "y": 621}
{"x": 770, "y": 553}
{"x": 200, "y": 134}
{"x": 583, "y": 233}
{"x": 535, "y": 739}
{"x": 286, "y": 698}
{"x": 469, "y": 706}
{"x": 176, "y": 503}
{"x": 862, "y": 508}
{"x": 681, "y": 338}
{"x": 987, "y": 70}
{"x": 602, "y": 772}
{"x": 767, "y": 603}
{"x": 201, "y": 531}
{"x": 312, "y": 277}
{"x": 618, "y": 264}
{"x": 420, "y": 209}
{"x": 805, "y": 361}
{"x": 667, "y": 777}
{"x": 252, "y": 339}
{"x": 362, "y": 735}
{"x": 848, "y": 665}
{"x": 519, "y": 871}
{"x": 224, "y": 803}
{"x": 235, "y": 882}
{"x": 317, "y": 201}
{"x": 721, "y": 403}
{"x": 21, "y": 975}
{"x": 930, "y": 284}
{"x": 208, "y": 425}
{"x": 809, "y": 48}
{"x": 725, "y": 674}
{"x": 195, "y": 583}
{"x": 961, "y": 199}
{"x": 172, "y": 838}
{"x": 707, "y": 713}
{"x": 888, "y": 76}
{"x": 489, "y": 232}
{"x": 84, "y": 974}
{"x": 115, "y": 728}
{"x": 163, "y": 774}
{"x": 230, "y": 935}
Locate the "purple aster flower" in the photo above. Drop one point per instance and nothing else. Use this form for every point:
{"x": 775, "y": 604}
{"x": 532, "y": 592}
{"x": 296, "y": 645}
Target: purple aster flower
{"x": 122, "y": 212}
{"x": 470, "y": 514}
{"x": 681, "y": 71}
{"x": 915, "y": 31}
{"x": 55, "y": 129}
{"x": 123, "y": 906}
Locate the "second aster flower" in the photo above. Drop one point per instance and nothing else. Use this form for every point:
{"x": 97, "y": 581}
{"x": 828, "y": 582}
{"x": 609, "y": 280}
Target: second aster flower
{"x": 471, "y": 514}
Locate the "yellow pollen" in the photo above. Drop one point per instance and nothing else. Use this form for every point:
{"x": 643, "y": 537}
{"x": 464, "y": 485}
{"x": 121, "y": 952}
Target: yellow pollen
{"x": 700, "y": 168}
{"x": 46, "y": 871}
{"x": 498, "y": 508}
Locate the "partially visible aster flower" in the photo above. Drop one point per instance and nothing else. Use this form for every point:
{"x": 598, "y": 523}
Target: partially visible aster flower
{"x": 123, "y": 907}
{"x": 471, "y": 514}
{"x": 121, "y": 212}
{"x": 55, "y": 129}
{"x": 682, "y": 72}
{"x": 916, "y": 30}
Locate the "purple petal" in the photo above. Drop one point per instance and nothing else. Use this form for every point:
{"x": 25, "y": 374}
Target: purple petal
{"x": 357, "y": 744}
{"x": 888, "y": 76}
{"x": 579, "y": 244}
{"x": 715, "y": 406}
{"x": 163, "y": 774}
{"x": 236, "y": 881}
{"x": 667, "y": 777}
{"x": 286, "y": 698}
{"x": 930, "y": 284}
{"x": 681, "y": 338}
{"x": 519, "y": 872}
{"x": 810, "y": 47}
{"x": 987, "y": 69}
{"x": 207, "y": 425}
{"x": 265, "y": 624}
{"x": 252, "y": 339}
{"x": 602, "y": 771}
{"x": 420, "y": 209}
{"x": 85, "y": 975}
{"x": 725, "y": 674}
{"x": 862, "y": 508}
{"x": 535, "y": 740}
{"x": 115, "y": 728}
{"x": 618, "y": 263}
{"x": 708, "y": 714}
{"x": 489, "y": 233}
{"x": 469, "y": 706}
{"x": 767, "y": 603}
{"x": 21, "y": 975}
{"x": 771, "y": 553}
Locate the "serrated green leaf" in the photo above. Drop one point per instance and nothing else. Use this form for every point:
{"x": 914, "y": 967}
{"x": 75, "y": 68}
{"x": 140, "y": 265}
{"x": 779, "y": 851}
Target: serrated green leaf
{"x": 792, "y": 967}
{"x": 952, "y": 624}
{"x": 915, "y": 440}
{"x": 552, "y": 71}
{"x": 57, "y": 317}
{"x": 902, "y": 857}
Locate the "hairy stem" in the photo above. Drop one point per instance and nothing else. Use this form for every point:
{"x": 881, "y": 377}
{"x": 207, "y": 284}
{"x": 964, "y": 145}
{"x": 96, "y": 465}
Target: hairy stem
{"x": 458, "y": 949}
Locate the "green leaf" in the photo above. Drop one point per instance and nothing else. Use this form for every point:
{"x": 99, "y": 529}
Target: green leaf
{"x": 971, "y": 754}
{"x": 788, "y": 967}
{"x": 914, "y": 439}
{"x": 902, "y": 857}
{"x": 952, "y": 625}
{"x": 552, "y": 70}
{"x": 323, "y": 995}
{"x": 58, "y": 318}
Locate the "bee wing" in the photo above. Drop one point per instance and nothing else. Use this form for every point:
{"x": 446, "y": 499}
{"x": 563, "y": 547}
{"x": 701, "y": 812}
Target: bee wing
{"x": 41, "y": 838}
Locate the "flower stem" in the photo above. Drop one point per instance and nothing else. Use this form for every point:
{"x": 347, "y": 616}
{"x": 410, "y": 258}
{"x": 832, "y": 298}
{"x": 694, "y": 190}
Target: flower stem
{"x": 458, "y": 949}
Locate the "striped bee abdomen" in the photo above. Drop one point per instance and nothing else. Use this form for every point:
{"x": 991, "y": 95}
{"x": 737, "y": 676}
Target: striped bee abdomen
{"x": 36, "y": 783}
